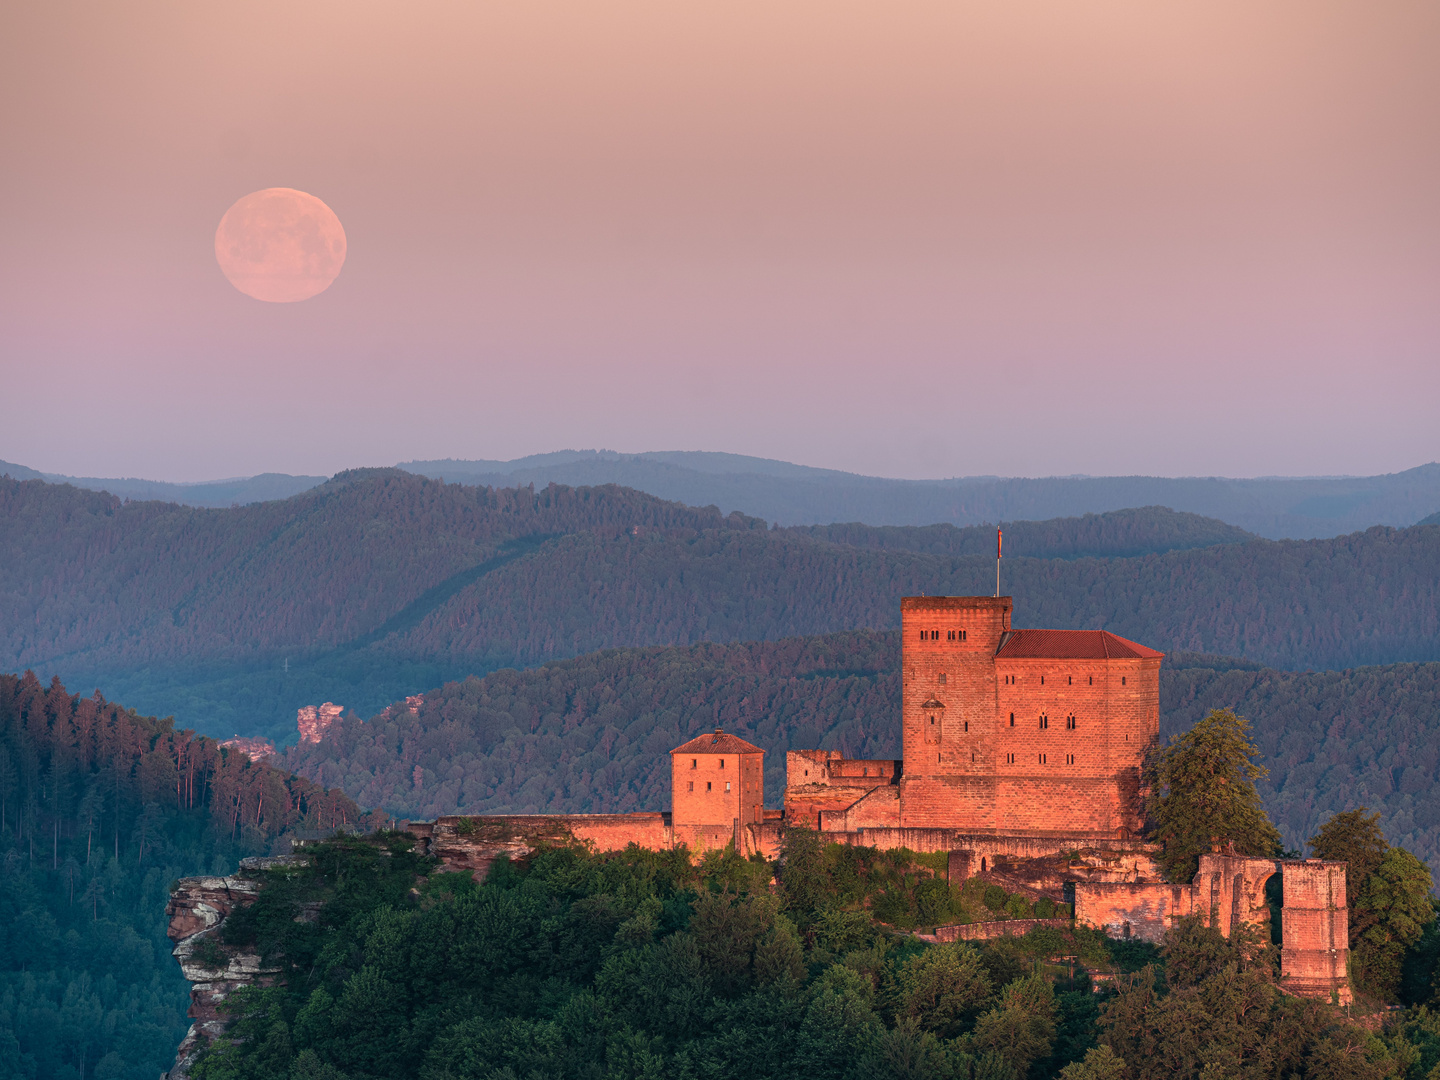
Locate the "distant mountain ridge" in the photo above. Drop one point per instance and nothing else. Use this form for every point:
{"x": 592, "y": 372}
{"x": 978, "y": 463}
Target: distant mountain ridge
{"x": 1278, "y": 508}
{"x": 380, "y": 583}
{"x": 789, "y": 494}
{"x": 237, "y": 491}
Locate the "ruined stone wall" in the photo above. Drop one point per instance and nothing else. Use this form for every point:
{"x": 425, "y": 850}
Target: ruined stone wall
{"x": 989, "y": 931}
{"x": 820, "y": 786}
{"x": 1229, "y": 891}
{"x": 465, "y": 843}
{"x": 1315, "y": 930}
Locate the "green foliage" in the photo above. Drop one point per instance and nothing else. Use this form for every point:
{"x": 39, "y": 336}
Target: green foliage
{"x": 1354, "y": 838}
{"x": 943, "y": 989}
{"x": 99, "y": 810}
{"x": 1204, "y": 795}
{"x": 1391, "y": 913}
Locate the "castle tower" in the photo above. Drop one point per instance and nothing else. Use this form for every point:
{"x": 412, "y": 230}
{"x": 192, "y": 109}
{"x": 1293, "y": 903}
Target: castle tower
{"x": 948, "y": 647}
{"x": 1021, "y": 732}
{"x": 717, "y": 785}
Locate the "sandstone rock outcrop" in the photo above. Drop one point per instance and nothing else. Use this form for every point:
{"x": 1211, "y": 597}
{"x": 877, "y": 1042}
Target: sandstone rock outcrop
{"x": 197, "y": 909}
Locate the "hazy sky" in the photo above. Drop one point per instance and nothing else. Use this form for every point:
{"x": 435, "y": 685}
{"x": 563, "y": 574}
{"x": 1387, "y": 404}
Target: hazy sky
{"x": 913, "y": 238}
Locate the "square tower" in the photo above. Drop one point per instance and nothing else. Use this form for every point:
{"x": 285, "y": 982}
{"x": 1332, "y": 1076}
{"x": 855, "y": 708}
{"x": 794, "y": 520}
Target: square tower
{"x": 948, "y": 646}
{"x": 716, "y": 782}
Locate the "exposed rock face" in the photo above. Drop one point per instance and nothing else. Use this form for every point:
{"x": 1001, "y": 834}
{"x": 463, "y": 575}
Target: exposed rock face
{"x": 313, "y": 720}
{"x": 197, "y": 909}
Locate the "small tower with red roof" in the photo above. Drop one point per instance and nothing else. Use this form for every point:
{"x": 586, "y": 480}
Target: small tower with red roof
{"x": 717, "y": 786}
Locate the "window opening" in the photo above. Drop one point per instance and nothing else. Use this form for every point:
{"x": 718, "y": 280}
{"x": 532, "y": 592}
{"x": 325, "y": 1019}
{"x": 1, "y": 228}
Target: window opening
{"x": 1044, "y": 722}
{"x": 1012, "y": 719}
{"x": 1042, "y": 759}
{"x": 1070, "y": 721}
{"x": 692, "y": 785}
{"x": 1122, "y": 680}
{"x": 727, "y": 785}
{"x": 942, "y": 678}
{"x": 1069, "y": 759}
{"x": 708, "y": 786}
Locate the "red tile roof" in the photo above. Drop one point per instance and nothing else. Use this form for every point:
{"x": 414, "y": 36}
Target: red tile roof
{"x": 717, "y": 742}
{"x": 1071, "y": 645}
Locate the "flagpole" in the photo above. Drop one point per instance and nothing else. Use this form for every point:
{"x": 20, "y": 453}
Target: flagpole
{"x": 999, "y": 539}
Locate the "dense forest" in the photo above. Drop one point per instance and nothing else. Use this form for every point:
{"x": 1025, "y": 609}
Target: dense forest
{"x": 100, "y": 810}
{"x": 1278, "y": 507}
{"x": 381, "y": 583}
{"x": 643, "y": 965}
{"x": 593, "y": 734}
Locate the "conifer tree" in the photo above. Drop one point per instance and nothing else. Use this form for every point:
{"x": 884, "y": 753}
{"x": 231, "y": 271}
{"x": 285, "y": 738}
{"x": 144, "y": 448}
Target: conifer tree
{"x": 1203, "y": 797}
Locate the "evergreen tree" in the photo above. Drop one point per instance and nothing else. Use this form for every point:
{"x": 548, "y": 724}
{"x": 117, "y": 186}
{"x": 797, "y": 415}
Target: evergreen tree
{"x": 1203, "y": 796}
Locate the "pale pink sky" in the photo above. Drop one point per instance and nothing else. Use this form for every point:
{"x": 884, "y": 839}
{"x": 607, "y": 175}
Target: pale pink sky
{"x": 915, "y": 239}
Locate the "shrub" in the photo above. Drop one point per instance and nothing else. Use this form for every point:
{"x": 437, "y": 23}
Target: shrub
{"x": 1045, "y": 908}
{"x": 996, "y": 898}
{"x": 932, "y": 901}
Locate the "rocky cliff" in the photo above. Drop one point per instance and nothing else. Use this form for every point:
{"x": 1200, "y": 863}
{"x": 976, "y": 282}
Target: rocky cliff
{"x": 197, "y": 909}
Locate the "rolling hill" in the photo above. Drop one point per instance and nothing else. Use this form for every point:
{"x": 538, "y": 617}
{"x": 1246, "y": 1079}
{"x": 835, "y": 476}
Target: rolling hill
{"x": 380, "y": 583}
{"x": 1275, "y": 507}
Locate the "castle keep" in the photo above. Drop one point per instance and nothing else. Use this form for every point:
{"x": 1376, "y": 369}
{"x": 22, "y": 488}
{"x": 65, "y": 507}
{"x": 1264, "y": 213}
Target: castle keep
{"x": 1025, "y": 733}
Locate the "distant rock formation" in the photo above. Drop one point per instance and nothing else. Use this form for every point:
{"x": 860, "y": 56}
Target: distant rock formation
{"x": 314, "y": 720}
{"x": 258, "y": 749}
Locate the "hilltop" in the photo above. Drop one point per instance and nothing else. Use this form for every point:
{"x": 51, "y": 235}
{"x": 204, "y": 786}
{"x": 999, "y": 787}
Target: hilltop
{"x": 380, "y": 583}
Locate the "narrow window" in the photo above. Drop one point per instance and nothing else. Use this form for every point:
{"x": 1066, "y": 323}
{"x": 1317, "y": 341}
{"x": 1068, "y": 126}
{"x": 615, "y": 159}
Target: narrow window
{"x": 964, "y": 634}
{"x": 1069, "y": 759}
{"x": 937, "y": 759}
{"x": 932, "y": 720}
{"x": 922, "y": 635}
{"x": 722, "y": 763}
{"x": 942, "y": 678}
{"x": 1012, "y": 719}
{"x": 692, "y": 785}
{"x": 1042, "y": 680}
{"x": 967, "y": 725}
{"x": 1092, "y": 680}
{"x": 1070, "y": 721}
{"x": 727, "y": 785}
{"x": 1069, "y": 680}
{"x": 1122, "y": 680}
{"x": 1042, "y": 759}
{"x": 865, "y": 771}
{"x": 708, "y": 785}
{"x": 693, "y": 763}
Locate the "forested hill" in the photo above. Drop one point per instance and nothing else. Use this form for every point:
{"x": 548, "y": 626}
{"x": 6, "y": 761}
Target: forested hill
{"x": 100, "y": 809}
{"x": 1148, "y": 530}
{"x": 594, "y": 734}
{"x": 381, "y": 583}
{"x": 1298, "y": 507}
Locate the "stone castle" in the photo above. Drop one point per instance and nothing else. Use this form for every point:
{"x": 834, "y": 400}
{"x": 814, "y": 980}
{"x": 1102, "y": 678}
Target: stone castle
{"x": 1022, "y": 758}
{"x": 1023, "y": 754}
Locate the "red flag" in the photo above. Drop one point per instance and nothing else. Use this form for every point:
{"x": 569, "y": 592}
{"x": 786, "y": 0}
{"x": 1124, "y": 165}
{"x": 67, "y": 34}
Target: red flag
{"x": 999, "y": 539}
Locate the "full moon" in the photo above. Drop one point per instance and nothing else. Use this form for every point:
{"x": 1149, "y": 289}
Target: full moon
{"x": 280, "y": 245}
